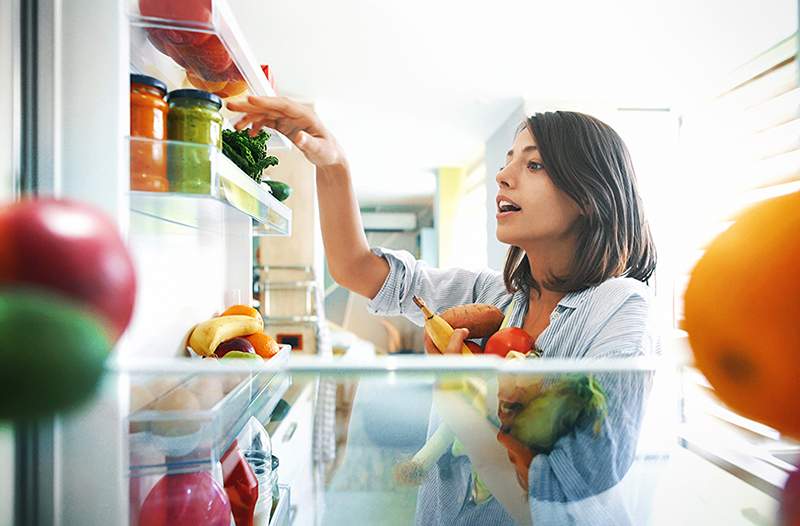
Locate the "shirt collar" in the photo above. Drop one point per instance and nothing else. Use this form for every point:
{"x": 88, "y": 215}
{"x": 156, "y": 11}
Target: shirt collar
{"x": 573, "y": 300}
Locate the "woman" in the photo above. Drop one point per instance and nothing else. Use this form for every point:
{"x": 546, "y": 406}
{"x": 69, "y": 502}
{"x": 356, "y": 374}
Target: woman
{"x": 575, "y": 279}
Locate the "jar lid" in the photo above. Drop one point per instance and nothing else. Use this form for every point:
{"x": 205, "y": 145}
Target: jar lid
{"x": 275, "y": 462}
{"x": 195, "y": 94}
{"x": 148, "y": 81}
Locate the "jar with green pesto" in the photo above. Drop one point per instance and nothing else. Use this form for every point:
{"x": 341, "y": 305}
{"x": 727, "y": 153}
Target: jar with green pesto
{"x": 194, "y": 117}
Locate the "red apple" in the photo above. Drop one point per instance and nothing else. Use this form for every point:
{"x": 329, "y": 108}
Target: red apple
{"x": 234, "y": 344}
{"x": 186, "y": 499}
{"x": 72, "y": 249}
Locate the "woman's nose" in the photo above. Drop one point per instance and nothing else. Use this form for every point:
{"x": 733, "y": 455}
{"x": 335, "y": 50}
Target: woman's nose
{"x": 503, "y": 178}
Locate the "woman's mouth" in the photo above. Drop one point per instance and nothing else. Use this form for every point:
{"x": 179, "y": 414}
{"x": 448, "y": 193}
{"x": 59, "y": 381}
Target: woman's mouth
{"x": 506, "y": 207}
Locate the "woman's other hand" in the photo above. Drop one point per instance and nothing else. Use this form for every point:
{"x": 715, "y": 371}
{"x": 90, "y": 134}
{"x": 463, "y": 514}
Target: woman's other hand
{"x": 296, "y": 121}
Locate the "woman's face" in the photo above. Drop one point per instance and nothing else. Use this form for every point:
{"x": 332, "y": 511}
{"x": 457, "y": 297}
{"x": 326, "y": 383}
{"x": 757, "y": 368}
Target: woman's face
{"x": 530, "y": 208}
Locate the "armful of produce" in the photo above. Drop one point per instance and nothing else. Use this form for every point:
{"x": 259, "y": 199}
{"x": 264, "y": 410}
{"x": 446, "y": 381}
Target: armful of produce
{"x": 533, "y": 412}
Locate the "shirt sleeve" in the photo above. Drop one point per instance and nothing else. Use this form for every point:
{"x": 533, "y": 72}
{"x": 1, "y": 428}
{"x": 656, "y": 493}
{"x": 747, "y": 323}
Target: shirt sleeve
{"x": 584, "y": 464}
{"x": 439, "y": 288}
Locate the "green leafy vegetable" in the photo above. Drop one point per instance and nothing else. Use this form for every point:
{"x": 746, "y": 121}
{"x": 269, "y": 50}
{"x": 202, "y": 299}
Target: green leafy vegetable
{"x": 556, "y": 411}
{"x": 248, "y": 153}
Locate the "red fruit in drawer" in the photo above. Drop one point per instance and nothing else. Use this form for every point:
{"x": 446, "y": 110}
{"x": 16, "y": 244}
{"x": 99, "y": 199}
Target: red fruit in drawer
{"x": 240, "y": 344}
{"x": 198, "y": 12}
{"x": 71, "y": 249}
{"x": 210, "y": 56}
{"x": 161, "y": 41}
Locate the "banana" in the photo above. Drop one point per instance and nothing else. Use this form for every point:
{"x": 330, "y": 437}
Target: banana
{"x": 208, "y": 335}
{"x": 439, "y": 330}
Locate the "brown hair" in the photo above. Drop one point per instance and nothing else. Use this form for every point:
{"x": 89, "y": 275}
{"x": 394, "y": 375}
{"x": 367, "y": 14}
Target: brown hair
{"x": 587, "y": 160}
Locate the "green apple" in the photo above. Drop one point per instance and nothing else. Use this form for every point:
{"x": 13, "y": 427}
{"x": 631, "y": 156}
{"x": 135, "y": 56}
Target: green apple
{"x": 52, "y": 354}
{"x": 242, "y": 356}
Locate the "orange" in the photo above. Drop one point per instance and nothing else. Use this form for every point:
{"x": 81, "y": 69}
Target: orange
{"x": 742, "y": 313}
{"x": 264, "y": 344}
{"x": 241, "y": 310}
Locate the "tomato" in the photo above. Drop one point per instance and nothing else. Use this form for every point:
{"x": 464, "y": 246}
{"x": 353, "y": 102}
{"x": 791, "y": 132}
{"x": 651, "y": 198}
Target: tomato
{"x": 509, "y": 339}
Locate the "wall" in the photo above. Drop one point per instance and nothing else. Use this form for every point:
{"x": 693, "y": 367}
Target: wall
{"x": 495, "y": 156}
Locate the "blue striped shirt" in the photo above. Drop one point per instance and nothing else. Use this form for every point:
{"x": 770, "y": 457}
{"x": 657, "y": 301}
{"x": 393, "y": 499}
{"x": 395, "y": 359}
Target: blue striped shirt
{"x": 575, "y": 482}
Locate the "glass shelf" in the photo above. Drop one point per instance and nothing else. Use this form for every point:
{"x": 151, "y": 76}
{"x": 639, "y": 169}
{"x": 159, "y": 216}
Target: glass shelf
{"x": 202, "y": 171}
{"x": 197, "y": 44}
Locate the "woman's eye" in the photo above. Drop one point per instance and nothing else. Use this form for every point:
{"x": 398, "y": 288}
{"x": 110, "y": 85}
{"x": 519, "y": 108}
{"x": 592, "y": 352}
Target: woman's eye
{"x": 534, "y": 166}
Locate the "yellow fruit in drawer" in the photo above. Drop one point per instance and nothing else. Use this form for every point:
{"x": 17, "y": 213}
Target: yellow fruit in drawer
{"x": 207, "y": 336}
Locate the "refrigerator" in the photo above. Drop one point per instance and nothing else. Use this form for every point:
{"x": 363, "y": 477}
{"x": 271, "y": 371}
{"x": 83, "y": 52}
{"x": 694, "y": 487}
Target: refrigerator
{"x": 345, "y": 429}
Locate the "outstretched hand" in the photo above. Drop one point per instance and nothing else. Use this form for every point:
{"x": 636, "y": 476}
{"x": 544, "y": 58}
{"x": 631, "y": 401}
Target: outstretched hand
{"x": 296, "y": 121}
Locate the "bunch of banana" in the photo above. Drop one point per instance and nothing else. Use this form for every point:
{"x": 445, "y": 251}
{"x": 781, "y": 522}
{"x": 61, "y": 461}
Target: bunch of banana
{"x": 207, "y": 336}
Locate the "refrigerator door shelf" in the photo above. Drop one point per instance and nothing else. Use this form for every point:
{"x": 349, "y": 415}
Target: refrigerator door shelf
{"x": 217, "y": 177}
{"x": 197, "y": 45}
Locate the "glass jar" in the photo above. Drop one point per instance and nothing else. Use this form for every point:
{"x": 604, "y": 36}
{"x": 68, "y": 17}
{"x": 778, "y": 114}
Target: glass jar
{"x": 273, "y": 483}
{"x": 148, "y": 164}
{"x": 194, "y": 117}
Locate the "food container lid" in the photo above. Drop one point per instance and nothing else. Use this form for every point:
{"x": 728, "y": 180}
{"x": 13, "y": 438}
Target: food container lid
{"x": 148, "y": 81}
{"x": 195, "y": 94}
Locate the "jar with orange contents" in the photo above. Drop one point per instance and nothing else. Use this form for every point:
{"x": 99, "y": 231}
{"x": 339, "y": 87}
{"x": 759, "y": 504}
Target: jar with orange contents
{"x": 149, "y": 129}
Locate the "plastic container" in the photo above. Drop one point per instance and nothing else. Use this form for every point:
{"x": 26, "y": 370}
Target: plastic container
{"x": 148, "y": 165}
{"x": 241, "y": 485}
{"x": 256, "y": 448}
{"x": 194, "y": 116}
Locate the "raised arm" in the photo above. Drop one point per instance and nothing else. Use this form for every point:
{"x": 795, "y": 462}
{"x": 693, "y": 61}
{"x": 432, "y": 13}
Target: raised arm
{"x": 350, "y": 261}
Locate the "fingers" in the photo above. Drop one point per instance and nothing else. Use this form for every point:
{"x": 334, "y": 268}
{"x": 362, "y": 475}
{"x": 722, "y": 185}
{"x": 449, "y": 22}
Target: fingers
{"x": 430, "y": 348}
{"x": 456, "y": 341}
{"x": 282, "y": 105}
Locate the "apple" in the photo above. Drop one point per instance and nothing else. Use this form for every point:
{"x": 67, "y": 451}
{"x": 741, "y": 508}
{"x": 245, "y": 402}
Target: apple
{"x": 186, "y": 499}
{"x": 242, "y": 356}
{"x": 72, "y": 250}
{"x": 51, "y": 354}
{"x": 234, "y": 344}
